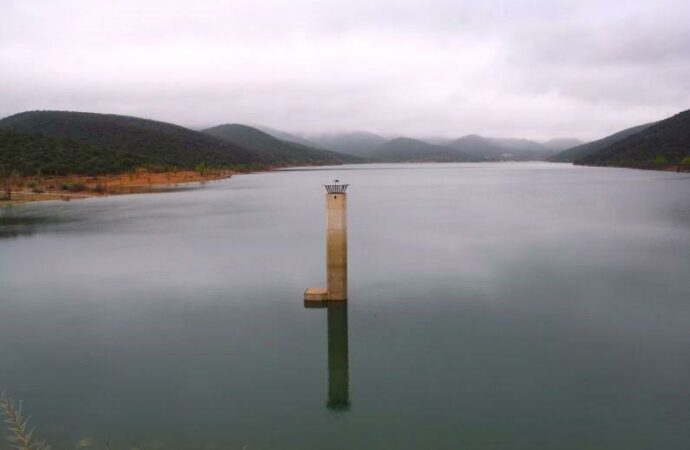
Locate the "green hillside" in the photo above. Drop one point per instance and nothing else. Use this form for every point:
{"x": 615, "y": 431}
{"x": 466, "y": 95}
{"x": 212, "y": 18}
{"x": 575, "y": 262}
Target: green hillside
{"x": 159, "y": 142}
{"x": 269, "y": 148}
{"x": 29, "y": 153}
{"x": 580, "y": 151}
{"x": 662, "y": 144}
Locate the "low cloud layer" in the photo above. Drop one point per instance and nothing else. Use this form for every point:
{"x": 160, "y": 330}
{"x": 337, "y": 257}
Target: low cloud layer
{"x": 535, "y": 69}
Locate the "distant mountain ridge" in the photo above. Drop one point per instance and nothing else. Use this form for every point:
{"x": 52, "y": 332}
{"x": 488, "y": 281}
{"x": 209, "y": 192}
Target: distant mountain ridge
{"x": 358, "y": 143}
{"x": 560, "y": 144}
{"x": 405, "y": 149}
{"x": 285, "y": 136}
{"x": 273, "y": 149}
{"x": 478, "y": 147}
{"x": 500, "y": 149}
{"x": 467, "y": 148}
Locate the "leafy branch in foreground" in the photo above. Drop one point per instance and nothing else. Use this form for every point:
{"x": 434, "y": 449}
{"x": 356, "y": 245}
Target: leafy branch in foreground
{"x": 18, "y": 433}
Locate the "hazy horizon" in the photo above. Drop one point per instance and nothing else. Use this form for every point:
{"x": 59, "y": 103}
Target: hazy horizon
{"x": 538, "y": 70}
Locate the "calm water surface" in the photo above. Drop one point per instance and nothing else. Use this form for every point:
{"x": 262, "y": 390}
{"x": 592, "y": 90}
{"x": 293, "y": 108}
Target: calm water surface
{"x": 492, "y": 306}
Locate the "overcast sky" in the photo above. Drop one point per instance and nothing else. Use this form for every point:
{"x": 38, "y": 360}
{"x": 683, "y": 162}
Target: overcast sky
{"x": 535, "y": 69}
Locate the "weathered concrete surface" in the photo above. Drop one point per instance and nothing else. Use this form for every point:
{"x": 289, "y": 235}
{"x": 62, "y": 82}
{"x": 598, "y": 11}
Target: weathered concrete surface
{"x": 316, "y": 295}
{"x": 336, "y": 252}
{"x": 336, "y": 246}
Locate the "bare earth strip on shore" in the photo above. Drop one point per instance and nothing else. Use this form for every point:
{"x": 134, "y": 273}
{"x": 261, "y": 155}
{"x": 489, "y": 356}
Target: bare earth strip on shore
{"x": 31, "y": 189}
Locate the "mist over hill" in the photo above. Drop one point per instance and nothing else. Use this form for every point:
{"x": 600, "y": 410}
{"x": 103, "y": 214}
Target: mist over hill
{"x": 517, "y": 144}
{"x": 468, "y": 148}
{"x": 406, "y": 149}
{"x": 478, "y": 147}
{"x": 500, "y": 149}
{"x": 560, "y": 144}
{"x": 357, "y": 143}
{"x": 285, "y": 136}
{"x": 275, "y": 150}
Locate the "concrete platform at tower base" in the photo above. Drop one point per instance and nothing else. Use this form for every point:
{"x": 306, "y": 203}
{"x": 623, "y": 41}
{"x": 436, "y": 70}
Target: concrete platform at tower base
{"x": 316, "y": 295}
{"x": 319, "y": 296}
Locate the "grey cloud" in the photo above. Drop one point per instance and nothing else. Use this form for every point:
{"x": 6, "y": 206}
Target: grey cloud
{"x": 535, "y": 69}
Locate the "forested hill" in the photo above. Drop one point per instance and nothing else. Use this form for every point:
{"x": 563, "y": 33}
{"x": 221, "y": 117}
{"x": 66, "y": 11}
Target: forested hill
{"x": 574, "y": 153}
{"x": 159, "y": 142}
{"x": 90, "y": 143}
{"x": 665, "y": 143}
{"x": 276, "y": 150}
{"x": 29, "y": 153}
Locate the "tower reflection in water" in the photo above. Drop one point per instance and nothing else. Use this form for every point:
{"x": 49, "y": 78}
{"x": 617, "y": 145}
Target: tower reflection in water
{"x": 338, "y": 360}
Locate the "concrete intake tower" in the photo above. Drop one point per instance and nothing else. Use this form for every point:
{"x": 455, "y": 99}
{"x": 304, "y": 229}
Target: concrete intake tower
{"x": 336, "y": 247}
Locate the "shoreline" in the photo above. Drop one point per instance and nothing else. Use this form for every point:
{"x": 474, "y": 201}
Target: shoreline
{"x": 67, "y": 188}
{"x": 675, "y": 168}
{"x": 75, "y": 187}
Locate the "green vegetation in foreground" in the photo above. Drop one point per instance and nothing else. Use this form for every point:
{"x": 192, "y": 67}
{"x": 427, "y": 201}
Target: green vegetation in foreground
{"x": 19, "y": 434}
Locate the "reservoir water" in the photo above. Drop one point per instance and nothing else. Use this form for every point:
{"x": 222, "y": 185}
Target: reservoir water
{"x": 492, "y": 306}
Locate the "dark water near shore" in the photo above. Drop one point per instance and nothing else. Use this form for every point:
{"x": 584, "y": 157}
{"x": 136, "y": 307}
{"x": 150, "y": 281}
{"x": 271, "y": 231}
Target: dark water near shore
{"x": 492, "y": 306}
